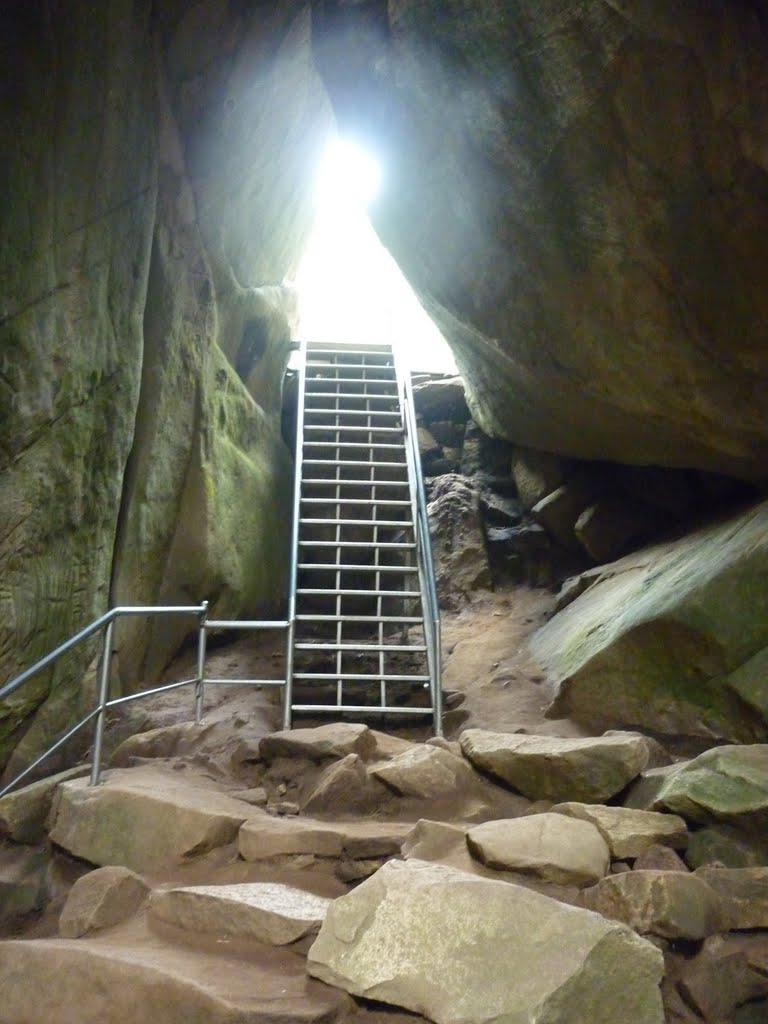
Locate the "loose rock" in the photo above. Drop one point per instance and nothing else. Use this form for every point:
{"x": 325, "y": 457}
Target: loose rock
{"x": 666, "y": 903}
{"x": 543, "y": 767}
{"x": 100, "y": 899}
{"x": 556, "y": 848}
{"x": 268, "y": 912}
{"x": 324, "y": 741}
{"x": 629, "y": 832}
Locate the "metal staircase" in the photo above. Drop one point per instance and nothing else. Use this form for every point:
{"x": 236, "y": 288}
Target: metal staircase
{"x": 364, "y": 635}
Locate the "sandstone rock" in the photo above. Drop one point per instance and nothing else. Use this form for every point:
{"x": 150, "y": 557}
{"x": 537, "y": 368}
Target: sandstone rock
{"x": 100, "y": 899}
{"x": 719, "y": 979}
{"x": 320, "y": 743}
{"x": 23, "y": 883}
{"x": 561, "y": 335}
{"x": 629, "y": 832}
{"x": 440, "y": 842}
{"x": 265, "y": 837}
{"x": 723, "y": 784}
{"x": 425, "y": 772}
{"x": 670, "y": 638}
{"x": 544, "y": 767}
{"x": 427, "y": 444}
{"x": 559, "y": 511}
{"x": 643, "y": 794}
{"x": 344, "y": 787}
{"x": 258, "y": 796}
{"x": 613, "y": 525}
{"x": 441, "y": 400}
{"x": 743, "y": 893}
{"x": 558, "y": 849}
{"x": 266, "y": 911}
{"x": 142, "y": 977}
{"x": 23, "y": 812}
{"x": 659, "y": 858}
{"x": 143, "y": 819}
{"x": 461, "y": 947}
{"x": 728, "y": 846}
{"x": 461, "y": 561}
{"x": 536, "y": 474}
{"x": 671, "y": 904}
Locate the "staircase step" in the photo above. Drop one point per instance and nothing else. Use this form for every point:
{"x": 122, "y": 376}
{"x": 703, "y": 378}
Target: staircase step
{"x": 354, "y": 412}
{"x": 390, "y": 544}
{"x": 353, "y": 462}
{"x": 313, "y": 481}
{"x": 361, "y": 618}
{"x": 360, "y": 677}
{"x": 131, "y": 975}
{"x": 331, "y": 428}
{"x": 402, "y": 523}
{"x": 399, "y": 502}
{"x": 347, "y": 567}
{"x": 330, "y": 592}
{"x": 378, "y": 445}
{"x": 363, "y": 648}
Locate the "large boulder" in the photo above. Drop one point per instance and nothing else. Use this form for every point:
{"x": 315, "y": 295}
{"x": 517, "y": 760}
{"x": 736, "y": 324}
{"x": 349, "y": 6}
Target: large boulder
{"x": 100, "y": 899}
{"x": 629, "y": 832}
{"x": 548, "y": 768}
{"x": 456, "y": 947}
{"x": 672, "y": 639}
{"x": 577, "y": 194}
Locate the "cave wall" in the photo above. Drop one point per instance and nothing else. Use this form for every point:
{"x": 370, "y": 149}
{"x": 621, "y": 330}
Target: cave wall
{"x": 154, "y": 183}
{"x": 578, "y": 194}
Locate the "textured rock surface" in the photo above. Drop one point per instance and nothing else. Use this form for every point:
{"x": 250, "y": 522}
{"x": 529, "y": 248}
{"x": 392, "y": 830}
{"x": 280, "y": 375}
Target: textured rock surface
{"x": 268, "y": 912}
{"x": 426, "y": 772}
{"x": 143, "y": 819}
{"x": 671, "y": 904}
{"x": 547, "y": 768}
{"x": 334, "y": 740}
{"x": 458, "y": 543}
{"x": 551, "y": 846}
{"x": 153, "y": 203}
{"x": 743, "y": 894}
{"x": 605, "y": 179}
{"x": 629, "y": 832}
{"x": 23, "y": 812}
{"x": 727, "y": 784}
{"x": 144, "y": 978}
{"x": 671, "y": 639}
{"x": 264, "y": 837}
{"x": 463, "y": 948}
{"x": 100, "y": 899}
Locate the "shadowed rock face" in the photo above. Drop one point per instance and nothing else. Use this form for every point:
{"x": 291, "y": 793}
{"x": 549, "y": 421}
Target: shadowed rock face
{"x": 155, "y": 181}
{"x": 578, "y": 193}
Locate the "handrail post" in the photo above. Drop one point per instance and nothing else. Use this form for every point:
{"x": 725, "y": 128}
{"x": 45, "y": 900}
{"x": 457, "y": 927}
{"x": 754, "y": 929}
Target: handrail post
{"x": 294, "y": 570}
{"x": 98, "y": 736}
{"x": 201, "y": 648}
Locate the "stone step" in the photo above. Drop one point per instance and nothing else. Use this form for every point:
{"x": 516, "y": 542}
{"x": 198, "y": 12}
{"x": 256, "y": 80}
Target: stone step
{"x": 146, "y": 818}
{"x": 132, "y": 975}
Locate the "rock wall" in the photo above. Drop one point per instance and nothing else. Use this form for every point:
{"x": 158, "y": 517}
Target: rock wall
{"x": 155, "y": 161}
{"x": 578, "y": 194}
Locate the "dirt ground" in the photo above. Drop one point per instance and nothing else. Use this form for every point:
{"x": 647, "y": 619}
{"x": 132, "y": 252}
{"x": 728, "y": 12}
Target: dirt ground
{"x": 485, "y": 657}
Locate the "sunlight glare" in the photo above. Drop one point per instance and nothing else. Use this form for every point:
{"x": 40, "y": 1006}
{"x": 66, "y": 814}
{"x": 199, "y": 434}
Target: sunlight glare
{"x": 349, "y": 176}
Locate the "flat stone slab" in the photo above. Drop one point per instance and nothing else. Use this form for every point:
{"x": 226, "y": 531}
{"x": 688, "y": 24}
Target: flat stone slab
{"x": 264, "y": 837}
{"x": 337, "y": 739}
{"x": 672, "y": 904}
{"x": 458, "y": 949}
{"x": 629, "y": 832}
{"x": 547, "y": 768}
{"x": 100, "y": 899}
{"x": 553, "y": 847}
{"x": 144, "y": 819}
{"x": 266, "y": 911}
{"x": 140, "y": 978}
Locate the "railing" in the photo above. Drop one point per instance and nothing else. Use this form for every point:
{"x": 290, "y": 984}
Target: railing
{"x": 432, "y": 627}
{"x": 98, "y": 714}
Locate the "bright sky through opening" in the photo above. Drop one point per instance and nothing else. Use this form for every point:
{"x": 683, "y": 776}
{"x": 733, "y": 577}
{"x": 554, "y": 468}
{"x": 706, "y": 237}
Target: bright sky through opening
{"x": 350, "y": 290}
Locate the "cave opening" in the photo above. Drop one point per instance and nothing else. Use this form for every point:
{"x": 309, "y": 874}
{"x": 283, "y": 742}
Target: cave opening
{"x": 349, "y": 288}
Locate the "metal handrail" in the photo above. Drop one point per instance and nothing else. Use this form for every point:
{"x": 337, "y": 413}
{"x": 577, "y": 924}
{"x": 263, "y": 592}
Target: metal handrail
{"x": 423, "y": 544}
{"x": 107, "y": 620}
